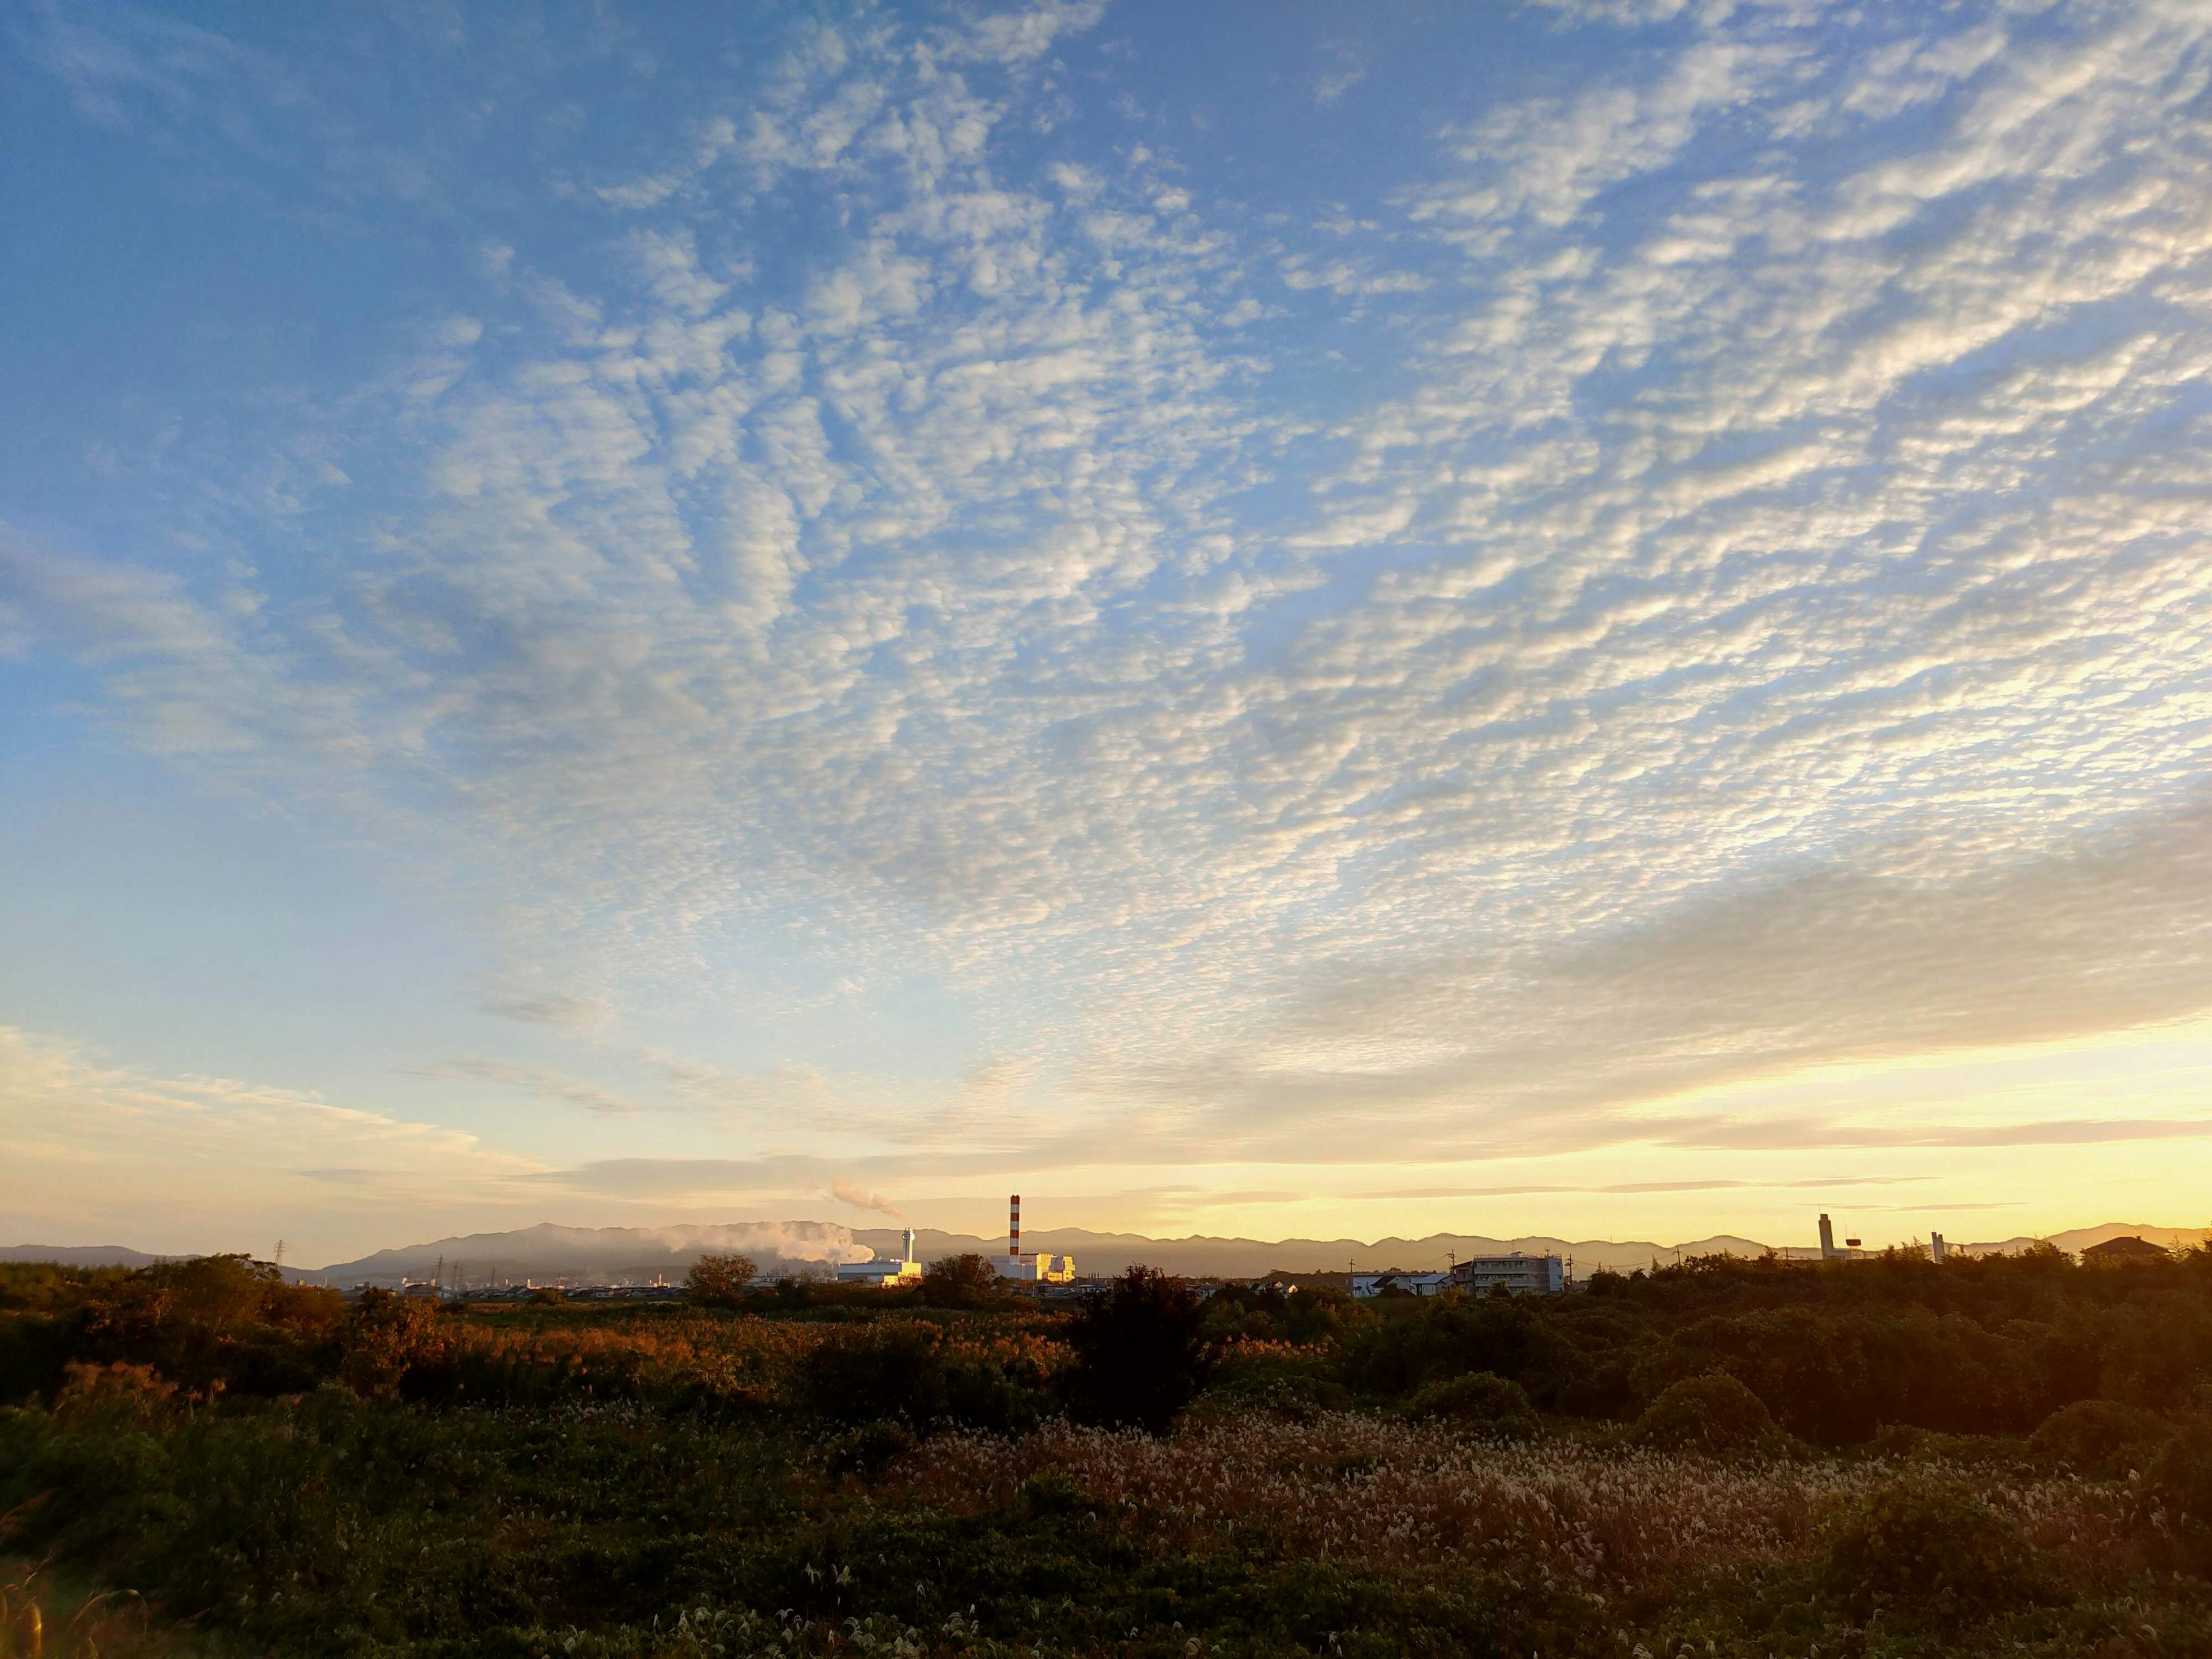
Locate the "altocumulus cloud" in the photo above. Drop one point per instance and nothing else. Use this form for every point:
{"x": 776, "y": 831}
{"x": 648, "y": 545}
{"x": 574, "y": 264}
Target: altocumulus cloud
{"x": 1760, "y": 618}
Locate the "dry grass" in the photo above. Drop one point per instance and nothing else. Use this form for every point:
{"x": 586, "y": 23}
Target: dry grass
{"x": 1372, "y": 1493}
{"x": 38, "y": 1620}
{"x": 691, "y": 1357}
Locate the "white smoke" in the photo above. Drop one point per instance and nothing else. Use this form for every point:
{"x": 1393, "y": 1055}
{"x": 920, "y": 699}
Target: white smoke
{"x": 787, "y": 1241}
{"x": 852, "y": 1193}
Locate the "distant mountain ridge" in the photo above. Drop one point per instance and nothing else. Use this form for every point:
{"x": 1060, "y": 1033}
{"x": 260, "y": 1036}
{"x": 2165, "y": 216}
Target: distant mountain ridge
{"x": 620, "y": 1254}
{"x": 603, "y": 1255}
{"x": 81, "y": 1256}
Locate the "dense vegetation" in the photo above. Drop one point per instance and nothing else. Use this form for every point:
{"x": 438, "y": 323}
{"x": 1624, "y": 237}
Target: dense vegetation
{"x": 1755, "y": 1458}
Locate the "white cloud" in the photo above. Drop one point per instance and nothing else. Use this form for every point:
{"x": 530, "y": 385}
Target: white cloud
{"x": 1781, "y": 513}
{"x": 92, "y": 1153}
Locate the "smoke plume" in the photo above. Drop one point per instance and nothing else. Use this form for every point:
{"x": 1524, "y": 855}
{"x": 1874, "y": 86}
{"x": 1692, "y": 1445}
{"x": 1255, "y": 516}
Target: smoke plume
{"x": 852, "y": 1193}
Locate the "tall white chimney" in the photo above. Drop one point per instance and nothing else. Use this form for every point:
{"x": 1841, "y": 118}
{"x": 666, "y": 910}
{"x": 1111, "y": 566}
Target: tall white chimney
{"x": 1827, "y": 1237}
{"x": 1014, "y": 1227}
{"x": 1935, "y": 1247}
{"x": 908, "y": 1242}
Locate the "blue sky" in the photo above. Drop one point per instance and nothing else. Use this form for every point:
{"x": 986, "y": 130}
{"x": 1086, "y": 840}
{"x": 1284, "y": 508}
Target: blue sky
{"x": 1582, "y": 618}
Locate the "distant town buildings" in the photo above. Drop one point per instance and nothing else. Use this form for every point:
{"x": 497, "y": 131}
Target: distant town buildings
{"x": 1365, "y": 1286}
{"x": 1520, "y": 1275}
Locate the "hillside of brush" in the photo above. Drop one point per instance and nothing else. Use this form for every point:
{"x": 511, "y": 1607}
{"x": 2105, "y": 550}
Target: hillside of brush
{"x": 1887, "y": 1457}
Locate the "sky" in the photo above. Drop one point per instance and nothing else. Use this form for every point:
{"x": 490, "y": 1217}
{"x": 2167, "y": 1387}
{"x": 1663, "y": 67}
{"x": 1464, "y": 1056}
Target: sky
{"x": 1274, "y": 619}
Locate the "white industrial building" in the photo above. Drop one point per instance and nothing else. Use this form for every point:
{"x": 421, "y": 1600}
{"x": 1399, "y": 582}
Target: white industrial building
{"x": 1039, "y": 1269}
{"x": 1522, "y": 1275}
{"x": 904, "y": 1270}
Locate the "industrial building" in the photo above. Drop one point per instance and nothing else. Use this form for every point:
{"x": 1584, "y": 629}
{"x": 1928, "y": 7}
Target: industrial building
{"x": 1830, "y": 1251}
{"x": 904, "y": 1270}
{"x": 1039, "y": 1269}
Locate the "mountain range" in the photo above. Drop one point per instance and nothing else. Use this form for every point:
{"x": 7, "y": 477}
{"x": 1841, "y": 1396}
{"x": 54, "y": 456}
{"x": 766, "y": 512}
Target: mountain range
{"x": 637, "y": 1255}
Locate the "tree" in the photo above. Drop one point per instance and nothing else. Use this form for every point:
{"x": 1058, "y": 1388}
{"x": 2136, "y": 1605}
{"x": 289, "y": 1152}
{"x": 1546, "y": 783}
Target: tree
{"x": 719, "y": 1281}
{"x": 1139, "y": 1359}
{"x": 960, "y": 1281}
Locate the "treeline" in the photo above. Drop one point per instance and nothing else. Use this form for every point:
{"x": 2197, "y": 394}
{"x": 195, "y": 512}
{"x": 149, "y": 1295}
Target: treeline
{"x": 1834, "y": 1352}
{"x": 325, "y": 1474}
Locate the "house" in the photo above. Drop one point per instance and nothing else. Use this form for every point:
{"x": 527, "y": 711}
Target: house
{"x": 2114, "y": 1251}
{"x": 1365, "y": 1286}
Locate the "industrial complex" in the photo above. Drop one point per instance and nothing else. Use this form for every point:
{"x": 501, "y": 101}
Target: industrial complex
{"x": 881, "y": 1273}
{"x": 1516, "y": 1273}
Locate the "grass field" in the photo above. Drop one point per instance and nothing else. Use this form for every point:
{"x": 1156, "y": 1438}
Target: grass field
{"x": 204, "y": 1460}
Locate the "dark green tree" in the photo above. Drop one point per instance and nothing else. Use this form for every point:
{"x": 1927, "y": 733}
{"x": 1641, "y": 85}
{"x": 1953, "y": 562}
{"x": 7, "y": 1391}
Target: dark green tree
{"x": 1138, "y": 1358}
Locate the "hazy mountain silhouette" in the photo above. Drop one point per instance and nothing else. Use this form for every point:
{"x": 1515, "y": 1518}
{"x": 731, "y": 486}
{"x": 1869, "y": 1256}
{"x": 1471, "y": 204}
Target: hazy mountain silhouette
{"x": 81, "y": 1255}
{"x": 631, "y": 1255}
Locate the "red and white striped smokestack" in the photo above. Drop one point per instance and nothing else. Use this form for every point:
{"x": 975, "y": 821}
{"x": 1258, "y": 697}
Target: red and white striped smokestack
{"x": 1014, "y": 1227}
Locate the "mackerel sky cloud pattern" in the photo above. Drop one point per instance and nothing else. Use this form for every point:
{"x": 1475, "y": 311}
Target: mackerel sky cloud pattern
{"x": 930, "y": 592}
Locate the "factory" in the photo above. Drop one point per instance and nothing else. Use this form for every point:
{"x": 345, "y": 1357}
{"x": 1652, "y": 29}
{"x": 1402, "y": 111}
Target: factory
{"x": 1038, "y": 1269}
{"x": 882, "y": 1275}
{"x": 1849, "y": 1251}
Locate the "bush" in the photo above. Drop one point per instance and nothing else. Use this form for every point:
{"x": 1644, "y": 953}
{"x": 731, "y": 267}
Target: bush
{"x": 1482, "y": 1401}
{"x": 1931, "y": 1555}
{"x": 1286, "y": 1387}
{"x": 891, "y": 1372}
{"x": 2181, "y": 1480}
{"x": 868, "y": 1448}
{"x": 1138, "y": 1358}
{"x": 126, "y": 1389}
{"x": 719, "y": 1281}
{"x": 900, "y": 1372}
{"x": 960, "y": 1281}
{"x": 1050, "y": 1493}
{"x": 1714, "y": 1415}
{"x": 2103, "y": 1439}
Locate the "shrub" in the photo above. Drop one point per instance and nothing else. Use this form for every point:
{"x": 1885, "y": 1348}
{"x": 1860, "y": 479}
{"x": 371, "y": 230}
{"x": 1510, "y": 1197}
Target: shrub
{"x": 901, "y": 1371}
{"x": 1931, "y": 1554}
{"x": 1050, "y": 1493}
{"x": 1289, "y": 1386}
{"x": 868, "y": 1448}
{"x": 216, "y": 1324}
{"x": 1714, "y": 1415}
{"x": 126, "y": 1389}
{"x": 960, "y": 1281}
{"x": 1482, "y": 1401}
{"x": 890, "y": 1372}
{"x": 719, "y": 1281}
{"x": 2181, "y": 1481}
{"x": 2102, "y": 1438}
{"x": 1138, "y": 1358}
